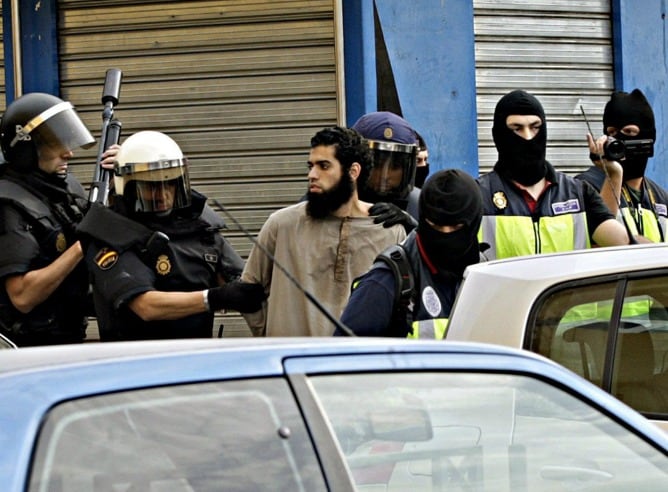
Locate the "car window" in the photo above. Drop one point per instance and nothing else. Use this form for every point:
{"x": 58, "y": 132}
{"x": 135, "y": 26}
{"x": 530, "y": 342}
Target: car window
{"x": 435, "y": 431}
{"x": 614, "y": 334}
{"x": 5, "y": 343}
{"x": 238, "y": 435}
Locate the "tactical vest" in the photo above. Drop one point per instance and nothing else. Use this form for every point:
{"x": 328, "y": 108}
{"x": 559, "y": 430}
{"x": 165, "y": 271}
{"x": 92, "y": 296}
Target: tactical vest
{"x": 63, "y": 313}
{"x": 29, "y": 205}
{"x": 511, "y": 229}
{"x": 420, "y": 303}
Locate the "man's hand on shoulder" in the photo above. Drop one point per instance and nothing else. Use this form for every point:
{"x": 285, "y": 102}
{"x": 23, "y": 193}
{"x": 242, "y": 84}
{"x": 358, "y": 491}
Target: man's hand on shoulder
{"x": 389, "y": 214}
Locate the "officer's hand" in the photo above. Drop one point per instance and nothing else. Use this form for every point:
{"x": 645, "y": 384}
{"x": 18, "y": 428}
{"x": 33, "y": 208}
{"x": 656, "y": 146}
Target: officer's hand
{"x": 389, "y": 214}
{"x": 109, "y": 157}
{"x": 597, "y": 153}
{"x": 239, "y": 296}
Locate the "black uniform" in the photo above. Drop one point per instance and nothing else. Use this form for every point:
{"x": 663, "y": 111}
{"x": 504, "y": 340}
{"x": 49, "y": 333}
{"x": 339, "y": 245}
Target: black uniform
{"x": 38, "y": 215}
{"x": 127, "y": 258}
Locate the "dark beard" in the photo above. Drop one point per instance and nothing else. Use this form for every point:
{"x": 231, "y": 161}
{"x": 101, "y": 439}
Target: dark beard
{"x": 322, "y": 204}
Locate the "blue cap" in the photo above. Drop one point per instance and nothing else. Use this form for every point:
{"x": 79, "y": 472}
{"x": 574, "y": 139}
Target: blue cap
{"x": 386, "y": 126}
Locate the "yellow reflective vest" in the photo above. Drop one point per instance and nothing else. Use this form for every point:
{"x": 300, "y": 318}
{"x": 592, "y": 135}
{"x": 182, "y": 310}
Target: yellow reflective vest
{"x": 559, "y": 222}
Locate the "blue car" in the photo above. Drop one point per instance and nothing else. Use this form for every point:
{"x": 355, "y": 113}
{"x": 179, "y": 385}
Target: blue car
{"x": 313, "y": 414}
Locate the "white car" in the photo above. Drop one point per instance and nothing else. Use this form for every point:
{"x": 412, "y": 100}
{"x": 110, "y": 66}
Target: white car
{"x": 603, "y": 313}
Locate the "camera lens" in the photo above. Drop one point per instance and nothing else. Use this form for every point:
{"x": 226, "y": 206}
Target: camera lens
{"x": 614, "y": 150}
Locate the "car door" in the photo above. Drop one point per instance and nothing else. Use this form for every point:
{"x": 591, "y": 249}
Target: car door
{"x": 237, "y": 435}
{"x": 613, "y": 331}
{"x": 467, "y": 421}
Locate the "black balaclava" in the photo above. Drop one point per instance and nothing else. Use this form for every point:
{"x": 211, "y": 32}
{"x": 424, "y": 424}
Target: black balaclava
{"x": 630, "y": 109}
{"x": 519, "y": 159}
{"x": 421, "y": 173}
{"x": 450, "y": 197}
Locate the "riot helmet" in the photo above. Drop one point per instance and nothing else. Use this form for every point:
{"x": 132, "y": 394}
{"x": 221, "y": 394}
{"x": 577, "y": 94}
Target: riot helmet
{"x": 393, "y": 143}
{"x": 38, "y": 120}
{"x": 151, "y": 174}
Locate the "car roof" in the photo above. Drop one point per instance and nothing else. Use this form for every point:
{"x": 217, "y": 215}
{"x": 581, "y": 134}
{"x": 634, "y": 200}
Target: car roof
{"x": 54, "y": 356}
{"x": 577, "y": 263}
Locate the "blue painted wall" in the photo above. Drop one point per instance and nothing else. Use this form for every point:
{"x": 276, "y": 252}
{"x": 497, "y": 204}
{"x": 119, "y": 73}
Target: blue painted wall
{"x": 39, "y": 38}
{"x": 431, "y": 50}
{"x": 641, "y": 60}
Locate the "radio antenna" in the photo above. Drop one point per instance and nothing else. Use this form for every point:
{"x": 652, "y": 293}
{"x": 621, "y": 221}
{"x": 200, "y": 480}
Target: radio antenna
{"x": 290, "y": 277}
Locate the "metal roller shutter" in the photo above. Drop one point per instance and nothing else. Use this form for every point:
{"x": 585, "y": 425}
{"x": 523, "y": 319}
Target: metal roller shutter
{"x": 240, "y": 85}
{"x": 559, "y": 51}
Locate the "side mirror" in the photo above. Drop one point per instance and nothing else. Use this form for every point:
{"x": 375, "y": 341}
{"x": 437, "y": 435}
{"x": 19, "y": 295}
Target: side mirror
{"x": 400, "y": 424}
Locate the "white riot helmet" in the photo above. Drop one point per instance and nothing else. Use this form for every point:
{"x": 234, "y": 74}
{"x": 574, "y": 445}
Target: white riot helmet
{"x": 151, "y": 174}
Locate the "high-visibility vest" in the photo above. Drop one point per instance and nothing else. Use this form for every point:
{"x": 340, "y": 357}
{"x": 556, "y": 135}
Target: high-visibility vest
{"x": 648, "y": 218}
{"x": 434, "y": 329}
{"x": 509, "y": 227}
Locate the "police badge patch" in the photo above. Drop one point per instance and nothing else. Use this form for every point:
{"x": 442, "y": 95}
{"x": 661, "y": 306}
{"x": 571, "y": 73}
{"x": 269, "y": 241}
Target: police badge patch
{"x": 431, "y": 301}
{"x": 163, "y": 266}
{"x": 106, "y": 258}
{"x": 61, "y": 242}
{"x": 499, "y": 199}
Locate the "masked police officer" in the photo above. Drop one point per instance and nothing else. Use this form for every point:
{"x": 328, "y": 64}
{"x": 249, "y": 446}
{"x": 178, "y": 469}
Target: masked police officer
{"x": 391, "y": 181}
{"x": 159, "y": 265}
{"x": 528, "y": 206}
{"x": 411, "y": 287}
{"x": 621, "y": 156}
{"x": 43, "y": 283}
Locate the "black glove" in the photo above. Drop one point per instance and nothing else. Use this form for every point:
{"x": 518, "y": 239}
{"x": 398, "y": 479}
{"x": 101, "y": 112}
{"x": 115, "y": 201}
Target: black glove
{"x": 389, "y": 214}
{"x": 239, "y": 296}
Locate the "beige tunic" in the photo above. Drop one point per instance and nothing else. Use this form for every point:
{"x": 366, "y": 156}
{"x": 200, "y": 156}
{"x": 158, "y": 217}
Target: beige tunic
{"x": 323, "y": 255}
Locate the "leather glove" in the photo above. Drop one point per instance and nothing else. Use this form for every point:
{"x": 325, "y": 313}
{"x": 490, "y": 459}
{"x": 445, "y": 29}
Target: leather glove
{"x": 239, "y": 296}
{"x": 389, "y": 214}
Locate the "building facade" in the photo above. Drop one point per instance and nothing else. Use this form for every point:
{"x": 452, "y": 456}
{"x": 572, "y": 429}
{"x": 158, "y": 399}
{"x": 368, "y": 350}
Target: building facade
{"x": 242, "y": 85}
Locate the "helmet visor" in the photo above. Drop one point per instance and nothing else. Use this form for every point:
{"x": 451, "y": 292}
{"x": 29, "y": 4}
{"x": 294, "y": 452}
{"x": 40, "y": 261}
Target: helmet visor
{"x": 393, "y": 173}
{"x": 58, "y": 128}
{"x": 158, "y": 190}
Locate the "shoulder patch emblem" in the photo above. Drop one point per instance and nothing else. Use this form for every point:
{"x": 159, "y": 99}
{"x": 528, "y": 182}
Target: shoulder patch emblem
{"x": 431, "y": 301}
{"x": 106, "y": 258}
{"x": 61, "y": 242}
{"x": 499, "y": 199}
{"x": 163, "y": 266}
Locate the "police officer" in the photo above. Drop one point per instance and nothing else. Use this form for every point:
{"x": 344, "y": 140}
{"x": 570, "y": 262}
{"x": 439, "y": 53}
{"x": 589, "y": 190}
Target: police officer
{"x": 159, "y": 266}
{"x": 422, "y": 162}
{"x": 433, "y": 257}
{"x": 528, "y": 206}
{"x": 43, "y": 283}
{"x": 628, "y": 119}
{"x": 390, "y": 184}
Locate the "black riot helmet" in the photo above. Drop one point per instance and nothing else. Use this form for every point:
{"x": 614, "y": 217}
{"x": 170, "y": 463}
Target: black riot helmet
{"x": 393, "y": 143}
{"x": 37, "y": 120}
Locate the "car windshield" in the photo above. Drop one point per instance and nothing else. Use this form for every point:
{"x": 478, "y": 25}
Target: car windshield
{"x": 237, "y": 435}
{"x": 457, "y": 431}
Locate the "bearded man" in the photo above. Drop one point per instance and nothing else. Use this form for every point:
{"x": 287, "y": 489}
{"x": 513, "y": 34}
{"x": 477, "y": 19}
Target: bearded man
{"x": 528, "y": 206}
{"x": 324, "y": 242}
